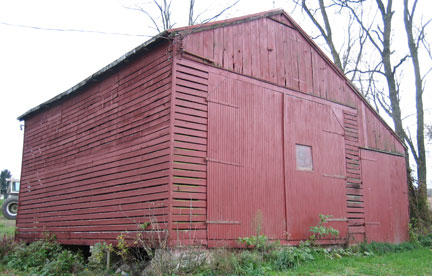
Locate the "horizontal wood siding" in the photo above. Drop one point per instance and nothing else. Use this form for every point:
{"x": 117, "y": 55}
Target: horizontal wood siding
{"x": 354, "y": 185}
{"x": 189, "y": 191}
{"x": 97, "y": 164}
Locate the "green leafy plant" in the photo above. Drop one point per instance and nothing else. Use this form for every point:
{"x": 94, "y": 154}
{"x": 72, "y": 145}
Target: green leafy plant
{"x": 320, "y": 230}
{"x": 43, "y": 257}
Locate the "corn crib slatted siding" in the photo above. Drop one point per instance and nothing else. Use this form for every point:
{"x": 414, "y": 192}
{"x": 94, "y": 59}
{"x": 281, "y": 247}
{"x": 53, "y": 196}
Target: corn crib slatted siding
{"x": 189, "y": 191}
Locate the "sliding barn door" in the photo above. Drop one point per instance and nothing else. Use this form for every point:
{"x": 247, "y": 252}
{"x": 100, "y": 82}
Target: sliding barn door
{"x": 315, "y": 166}
{"x": 385, "y": 192}
{"x": 245, "y": 161}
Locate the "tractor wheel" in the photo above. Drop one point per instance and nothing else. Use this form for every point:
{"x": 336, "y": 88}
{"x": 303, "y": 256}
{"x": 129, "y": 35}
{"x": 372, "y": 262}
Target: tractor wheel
{"x": 10, "y": 207}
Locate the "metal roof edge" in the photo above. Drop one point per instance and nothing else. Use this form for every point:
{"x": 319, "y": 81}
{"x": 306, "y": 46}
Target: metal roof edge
{"x": 99, "y": 73}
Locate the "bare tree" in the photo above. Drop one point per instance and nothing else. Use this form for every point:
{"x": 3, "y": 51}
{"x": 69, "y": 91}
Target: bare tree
{"x": 164, "y": 17}
{"x": 419, "y": 152}
{"x": 197, "y": 20}
{"x": 162, "y": 20}
{"x": 379, "y": 32}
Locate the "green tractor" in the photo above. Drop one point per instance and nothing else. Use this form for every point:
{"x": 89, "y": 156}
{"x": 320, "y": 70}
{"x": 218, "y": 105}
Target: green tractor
{"x": 10, "y": 205}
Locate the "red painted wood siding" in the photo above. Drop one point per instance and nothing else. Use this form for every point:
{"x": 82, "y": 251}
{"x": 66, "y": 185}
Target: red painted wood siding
{"x": 322, "y": 189}
{"x": 246, "y": 188}
{"x": 273, "y": 50}
{"x": 98, "y": 163}
{"x": 386, "y": 200}
{"x": 189, "y": 184}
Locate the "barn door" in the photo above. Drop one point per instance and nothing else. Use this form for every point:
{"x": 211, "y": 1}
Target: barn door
{"x": 245, "y": 162}
{"x": 314, "y": 166}
{"x": 385, "y": 192}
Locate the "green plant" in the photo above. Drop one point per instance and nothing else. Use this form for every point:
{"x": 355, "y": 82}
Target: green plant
{"x": 43, "y": 257}
{"x": 98, "y": 255}
{"x": 320, "y": 230}
{"x": 426, "y": 240}
{"x": 7, "y": 245}
{"x": 258, "y": 242}
{"x": 289, "y": 257}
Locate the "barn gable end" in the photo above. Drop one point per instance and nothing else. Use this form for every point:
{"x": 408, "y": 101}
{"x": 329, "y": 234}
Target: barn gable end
{"x": 214, "y": 131}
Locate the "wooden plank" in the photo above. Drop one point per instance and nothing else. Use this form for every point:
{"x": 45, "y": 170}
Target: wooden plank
{"x": 280, "y": 55}
{"x": 193, "y": 92}
{"x": 247, "y": 52}
{"x": 192, "y": 78}
{"x": 189, "y": 181}
{"x": 189, "y": 118}
{"x": 133, "y": 205}
{"x": 196, "y": 86}
{"x": 255, "y": 46}
{"x": 190, "y": 189}
{"x": 190, "y": 132}
{"x": 190, "y": 146}
{"x": 271, "y": 49}
{"x": 238, "y": 47}
{"x": 191, "y": 71}
{"x": 190, "y": 139}
{"x": 191, "y": 112}
{"x": 111, "y": 202}
{"x": 218, "y": 48}
{"x": 191, "y": 125}
{"x": 189, "y": 160}
{"x": 263, "y": 50}
{"x": 191, "y": 105}
{"x": 228, "y": 53}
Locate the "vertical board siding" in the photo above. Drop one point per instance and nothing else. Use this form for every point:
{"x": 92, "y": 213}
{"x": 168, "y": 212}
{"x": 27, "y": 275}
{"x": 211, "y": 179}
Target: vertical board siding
{"x": 385, "y": 192}
{"x": 375, "y": 134}
{"x": 320, "y": 190}
{"x": 245, "y": 168}
{"x": 97, "y": 164}
{"x": 271, "y": 49}
{"x": 189, "y": 191}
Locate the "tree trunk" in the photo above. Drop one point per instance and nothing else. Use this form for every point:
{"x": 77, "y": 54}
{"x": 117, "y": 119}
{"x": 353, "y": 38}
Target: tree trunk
{"x": 421, "y": 151}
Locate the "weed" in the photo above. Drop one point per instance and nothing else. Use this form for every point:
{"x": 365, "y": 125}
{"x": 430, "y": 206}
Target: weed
{"x": 321, "y": 231}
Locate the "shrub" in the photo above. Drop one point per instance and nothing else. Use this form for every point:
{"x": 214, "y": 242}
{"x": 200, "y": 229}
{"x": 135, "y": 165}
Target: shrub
{"x": 44, "y": 257}
{"x": 426, "y": 240}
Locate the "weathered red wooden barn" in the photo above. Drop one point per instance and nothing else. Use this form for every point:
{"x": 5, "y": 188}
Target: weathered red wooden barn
{"x": 212, "y": 130}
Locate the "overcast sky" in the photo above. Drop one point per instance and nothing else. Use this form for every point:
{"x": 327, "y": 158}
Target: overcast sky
{"x": 36, "y": 65}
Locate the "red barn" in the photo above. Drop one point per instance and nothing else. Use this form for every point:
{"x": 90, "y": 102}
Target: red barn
{"x": 212, "y": 131}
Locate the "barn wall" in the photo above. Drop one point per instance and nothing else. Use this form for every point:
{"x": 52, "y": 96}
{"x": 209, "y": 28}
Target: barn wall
{"x": 273, "y": 50}
{"x": 97, "y": 163}
{"x": 253, "y": 129}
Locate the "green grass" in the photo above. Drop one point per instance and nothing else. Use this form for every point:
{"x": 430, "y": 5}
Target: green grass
{"x": 7, "y": 226}
{"x": 413, "y": 262}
